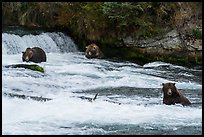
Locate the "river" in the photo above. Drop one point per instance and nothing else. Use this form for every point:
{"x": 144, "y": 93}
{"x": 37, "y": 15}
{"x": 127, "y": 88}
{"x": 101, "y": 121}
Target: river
{"x": 129, "y": 100}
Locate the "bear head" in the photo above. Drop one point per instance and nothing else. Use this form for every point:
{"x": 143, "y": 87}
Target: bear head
{"x": 92, "y": 51}
{"x": 27, "y": 54}
{"x": 170, "y": 94}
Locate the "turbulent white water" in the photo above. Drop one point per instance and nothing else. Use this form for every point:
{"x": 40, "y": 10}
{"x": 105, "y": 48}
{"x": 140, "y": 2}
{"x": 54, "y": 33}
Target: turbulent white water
{"x": 49, "y": 42}
{"x": 69, "y": 75}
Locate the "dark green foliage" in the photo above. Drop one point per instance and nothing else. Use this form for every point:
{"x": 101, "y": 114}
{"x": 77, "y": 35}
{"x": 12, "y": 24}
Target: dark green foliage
{"x": 104, "y": 23}
{"x": 138, "y": 19}
{"x": 197, "y": 33}
{"x": 93, "y": 20}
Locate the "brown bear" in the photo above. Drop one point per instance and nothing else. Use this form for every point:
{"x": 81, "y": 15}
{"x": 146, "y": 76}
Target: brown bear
{"x": 172, "y": 95}
{"x": 93, "y": 51}
{"x": 34, "y": 54}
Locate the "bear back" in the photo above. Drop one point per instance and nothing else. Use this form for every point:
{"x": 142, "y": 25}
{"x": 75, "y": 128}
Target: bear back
{"x": 34, "y": 54}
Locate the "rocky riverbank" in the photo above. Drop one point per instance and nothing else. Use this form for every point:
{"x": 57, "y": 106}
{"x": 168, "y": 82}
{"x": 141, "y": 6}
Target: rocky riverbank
{"x": 169, "y": 47}
{"x": 140, "y": 32}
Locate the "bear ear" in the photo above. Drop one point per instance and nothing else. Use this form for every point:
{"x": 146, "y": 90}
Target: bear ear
{"x": 23, "y": 52}
{"x": 162, "y": 84}
{"x": 174, "y": 84}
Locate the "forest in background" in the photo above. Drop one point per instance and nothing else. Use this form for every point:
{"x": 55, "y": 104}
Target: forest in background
{"x": 106, "y": 23}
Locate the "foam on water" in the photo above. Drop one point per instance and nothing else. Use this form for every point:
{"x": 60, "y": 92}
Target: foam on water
{"x": 71, "y": 111}
{"x": 69, "y": 75}
{"x": 49, "y": 42}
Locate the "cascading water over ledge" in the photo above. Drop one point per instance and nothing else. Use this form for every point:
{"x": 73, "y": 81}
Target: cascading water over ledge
{"x": 127, "y": 97}
{"x": 48, "y": 41}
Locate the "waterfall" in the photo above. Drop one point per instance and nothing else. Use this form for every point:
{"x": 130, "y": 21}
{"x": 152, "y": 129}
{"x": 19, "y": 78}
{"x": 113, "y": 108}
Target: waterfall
{"x": 48, "y": 41}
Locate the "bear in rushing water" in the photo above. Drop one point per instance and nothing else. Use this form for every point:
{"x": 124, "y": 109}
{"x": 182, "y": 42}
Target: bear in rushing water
{"x": 34, "y": 54}
{"x": 172, "y": 95}
{"x": 93, "y": 51}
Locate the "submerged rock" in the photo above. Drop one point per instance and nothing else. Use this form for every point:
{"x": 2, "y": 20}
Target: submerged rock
{"x": 26, "y": 66}
{"x": 27, "y": 97}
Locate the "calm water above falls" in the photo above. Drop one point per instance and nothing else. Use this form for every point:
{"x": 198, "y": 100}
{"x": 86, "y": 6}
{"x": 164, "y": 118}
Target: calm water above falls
{"x": 129, "y": 97}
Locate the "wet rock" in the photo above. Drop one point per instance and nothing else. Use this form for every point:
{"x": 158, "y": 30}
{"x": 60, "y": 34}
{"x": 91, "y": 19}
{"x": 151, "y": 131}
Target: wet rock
{"x": 171, "y": 45}
{"x": 27, "y": 66}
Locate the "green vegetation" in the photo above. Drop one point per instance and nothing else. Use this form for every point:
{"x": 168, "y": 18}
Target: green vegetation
{"x": 138, "y": 19}
{"x": 197, "y": 33}
{"x": 35, "y": 68}
{"x": 105, "y": 23}
{"x": 32, "y": 67}
{"x": 94, "y": 21}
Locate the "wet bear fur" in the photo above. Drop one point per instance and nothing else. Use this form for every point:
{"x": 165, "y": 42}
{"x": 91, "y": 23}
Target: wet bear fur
{"x": 93, "y": 51}
{"x": 172, "y": 96}
{"x": 34, "y": 54}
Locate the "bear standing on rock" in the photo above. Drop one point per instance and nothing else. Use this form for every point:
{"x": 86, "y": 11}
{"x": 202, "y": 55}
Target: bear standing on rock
{"x": 93, "y": 51}
{"x": 34, "y": 54}
{"x": 172, "y": 95}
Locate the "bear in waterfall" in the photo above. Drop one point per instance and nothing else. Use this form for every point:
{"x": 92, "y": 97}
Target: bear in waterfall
{"x": 34, "y": 54}
{"x": 171, "y": 95}
{"x": 93, "y": 51}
